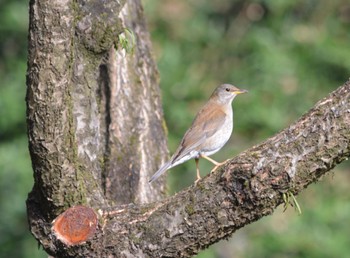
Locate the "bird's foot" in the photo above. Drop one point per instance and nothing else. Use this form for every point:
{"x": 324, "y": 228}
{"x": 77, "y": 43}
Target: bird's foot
{"x": 218, "y": 164}
{"x": 215, "y": 168}
{"x": 197, "y": 180}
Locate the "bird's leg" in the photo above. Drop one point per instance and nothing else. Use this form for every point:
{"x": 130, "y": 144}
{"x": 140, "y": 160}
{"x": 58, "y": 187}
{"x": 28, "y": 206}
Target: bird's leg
{"x": 197, "y": 168}
{"x": 217, "y": 164}
{"x": 211, "y": 160}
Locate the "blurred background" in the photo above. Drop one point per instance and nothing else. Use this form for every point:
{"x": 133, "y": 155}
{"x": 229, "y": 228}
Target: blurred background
{"x": 288, "y": 54}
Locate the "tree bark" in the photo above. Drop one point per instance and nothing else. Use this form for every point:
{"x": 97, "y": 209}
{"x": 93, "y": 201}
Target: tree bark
{"x": 136, "y": 130}
{"x": 96, "y": 134}
{"x": 93, "y": 113}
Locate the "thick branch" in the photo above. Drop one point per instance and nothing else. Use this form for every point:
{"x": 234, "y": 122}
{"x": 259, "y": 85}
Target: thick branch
{"x": 242, "y": 191}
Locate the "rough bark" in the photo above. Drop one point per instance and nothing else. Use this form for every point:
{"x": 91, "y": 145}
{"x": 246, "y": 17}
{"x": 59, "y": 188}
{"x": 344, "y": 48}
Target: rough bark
{"x": 96, "y": 135}
{"x": 136, "y": 117}
{"x": 93, "y": 113}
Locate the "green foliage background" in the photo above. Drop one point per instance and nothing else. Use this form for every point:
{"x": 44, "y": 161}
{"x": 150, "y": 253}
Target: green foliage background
{"x": 288, "y": 54}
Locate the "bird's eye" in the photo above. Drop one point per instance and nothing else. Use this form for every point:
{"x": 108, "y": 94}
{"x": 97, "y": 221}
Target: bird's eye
{"x": 227, "y": 89}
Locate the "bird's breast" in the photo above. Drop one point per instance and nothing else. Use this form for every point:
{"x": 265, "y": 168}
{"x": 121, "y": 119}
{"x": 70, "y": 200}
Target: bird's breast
{"x": 219, "y": 138}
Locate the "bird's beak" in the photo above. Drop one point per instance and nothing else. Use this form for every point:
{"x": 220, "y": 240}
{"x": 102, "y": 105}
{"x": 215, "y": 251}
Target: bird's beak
{"x": 240, "y": 91}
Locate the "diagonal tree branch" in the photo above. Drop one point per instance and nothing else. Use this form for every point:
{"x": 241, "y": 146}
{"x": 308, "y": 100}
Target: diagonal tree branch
{"x": 247, "y": 188}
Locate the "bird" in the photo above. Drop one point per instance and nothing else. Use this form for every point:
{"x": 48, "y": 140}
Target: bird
{"x": 210, "y": 130}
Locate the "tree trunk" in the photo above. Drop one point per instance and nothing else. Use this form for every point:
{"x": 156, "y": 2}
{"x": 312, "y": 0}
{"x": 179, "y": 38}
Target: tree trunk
{"x": 94, "y": 113}
{"x": 96, "y": 134}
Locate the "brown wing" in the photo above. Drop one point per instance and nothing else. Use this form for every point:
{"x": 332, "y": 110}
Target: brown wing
{"x": 205, "y": 124}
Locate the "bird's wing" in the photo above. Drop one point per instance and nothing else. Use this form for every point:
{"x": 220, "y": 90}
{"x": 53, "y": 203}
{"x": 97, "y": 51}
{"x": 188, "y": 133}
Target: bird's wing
{"x": 206, "y": 123}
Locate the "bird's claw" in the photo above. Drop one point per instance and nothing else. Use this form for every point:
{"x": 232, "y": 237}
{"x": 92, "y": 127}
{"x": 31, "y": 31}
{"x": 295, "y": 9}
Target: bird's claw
{"x": 218, "y": 165}
{"x": 215, "y": 168}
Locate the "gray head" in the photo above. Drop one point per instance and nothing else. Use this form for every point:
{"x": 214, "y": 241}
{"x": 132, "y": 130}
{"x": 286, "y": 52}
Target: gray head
{"x": 225, "y": 93}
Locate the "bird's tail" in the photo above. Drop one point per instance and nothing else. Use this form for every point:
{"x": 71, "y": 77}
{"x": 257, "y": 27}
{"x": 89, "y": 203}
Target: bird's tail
{"x": 161, "y": 171}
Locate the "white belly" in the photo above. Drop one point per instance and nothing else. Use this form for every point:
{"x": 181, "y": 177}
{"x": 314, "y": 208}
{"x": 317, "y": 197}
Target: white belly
{"x": 218, "y": 139}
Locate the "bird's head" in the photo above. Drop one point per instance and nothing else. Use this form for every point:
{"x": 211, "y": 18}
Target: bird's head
{"x": 226, "y": 93}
